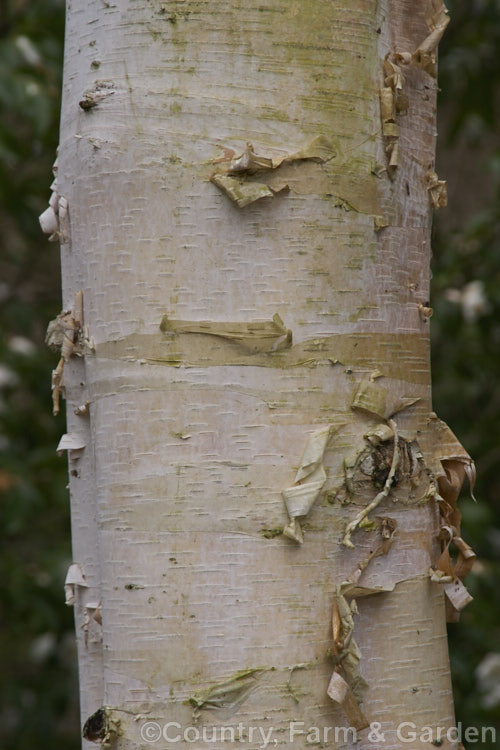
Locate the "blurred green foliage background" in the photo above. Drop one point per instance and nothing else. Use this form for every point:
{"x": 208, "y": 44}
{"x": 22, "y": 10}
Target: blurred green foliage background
{"x": 38, "y": 683}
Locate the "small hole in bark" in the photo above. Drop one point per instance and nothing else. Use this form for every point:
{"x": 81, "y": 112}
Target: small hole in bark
{"x": 94, "y": 728}
{"x": 382, "y": 461}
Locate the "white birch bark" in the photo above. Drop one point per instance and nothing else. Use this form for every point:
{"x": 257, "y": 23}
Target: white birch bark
{"x": 192, "y": 438}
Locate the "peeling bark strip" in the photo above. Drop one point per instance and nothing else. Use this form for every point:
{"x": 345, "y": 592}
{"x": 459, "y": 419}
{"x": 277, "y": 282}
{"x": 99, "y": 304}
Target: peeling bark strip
{"x": 207, "y": 351}
{"x": 453, "y": 464}
{"x": 212, "y": 448}
{"x": 254, "y": 337}
{"x": 393, "y": 103}
{"x": 347, "y": 686}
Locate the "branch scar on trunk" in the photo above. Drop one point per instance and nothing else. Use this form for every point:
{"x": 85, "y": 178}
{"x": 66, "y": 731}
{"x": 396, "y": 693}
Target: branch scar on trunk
{"x": 353, "y": 525}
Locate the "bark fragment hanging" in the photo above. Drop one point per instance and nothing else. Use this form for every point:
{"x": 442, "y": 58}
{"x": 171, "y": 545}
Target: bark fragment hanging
{"x": 347, "y": 685}
{"x": 451, "y": 465}
{"x": 309, "y": 480}
{"x": 393, "y": 104}
{"x": 72, "y": 443}
{"x": 83, "y": 409}
{"x": 393, "y": 101}
{"x": 425, "y": 312}
{"x": 237, "y": 182}
{"x": 438, "y": 191}
{"x": 67, "y": 334}
{"x": 375, "y": 400}
{"x": 54, "y": 221}
{"x": 425, "y": 56}
{"x": 437, "y": 19}
{"x": 74, "y": 578}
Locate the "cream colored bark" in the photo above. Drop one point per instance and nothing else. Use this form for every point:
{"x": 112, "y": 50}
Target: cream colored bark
{"x": 196, "y": 428}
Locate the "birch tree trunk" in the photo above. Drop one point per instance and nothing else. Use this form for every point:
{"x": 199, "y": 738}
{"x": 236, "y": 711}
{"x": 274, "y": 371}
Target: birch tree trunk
{"x": 287, "y": 389}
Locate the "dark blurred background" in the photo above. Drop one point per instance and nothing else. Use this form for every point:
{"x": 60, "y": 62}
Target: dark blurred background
{"x": 38, "y": 682}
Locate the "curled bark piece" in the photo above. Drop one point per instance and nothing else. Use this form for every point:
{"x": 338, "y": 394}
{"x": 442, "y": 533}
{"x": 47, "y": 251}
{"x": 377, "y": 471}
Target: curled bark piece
{"x": 393, "y": 104}
{"x": 449, "y": 461}
{"x": 452, "y": 573}
{"x": 57, "y": 386}
{"x": 393, "y": 76}
{"x": 97, "y": 616}
{"x": 375, "y": 400}
{"x": 72, "y": 443}
{"x": 380, "y": 222}
{"x": 74, "y": 577}
{"x": 389, "y": 126}
{"x": 293, "y": 530}
{"x": 458, "y": 597}
{"x": 370, "y": 397}
{"x": 340, "y": 692}
{"x": 437, "y": 190}
{"x": 345, "y": 649}
{"x": 269, "y": 336}
{"x": 347, "y": 685}
{"x": 437, "y": 20}
{"x": 450, "y": 464}
{"x": 235, "y": 182}
{"x": 425, "y": 312}
{"x": 48, "y": 221}
{"x": 379, "y": 434}
{"x": 83, "y": 409}
{"x": 54, "y": 220}
{"x": 241, "y": 192}
{"x": 250, "y": 162}
{"x": 309, "y": 480}
{"x": 67, "y": 334}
